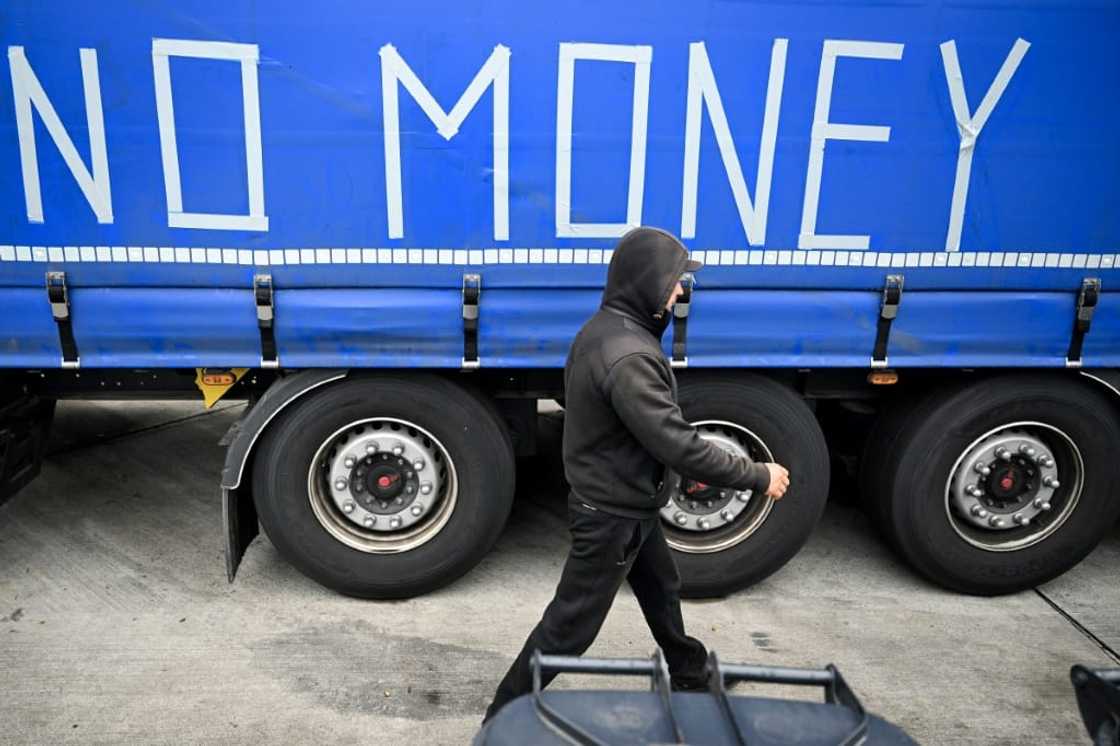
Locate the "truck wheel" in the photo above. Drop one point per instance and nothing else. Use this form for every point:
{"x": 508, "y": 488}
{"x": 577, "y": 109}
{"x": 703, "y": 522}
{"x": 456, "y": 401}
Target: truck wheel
{"x": 881, "y": 449}
{"x": 1003, "y": 484}
{"x": 724, "y": 540}
{"x": 385, "y": 487}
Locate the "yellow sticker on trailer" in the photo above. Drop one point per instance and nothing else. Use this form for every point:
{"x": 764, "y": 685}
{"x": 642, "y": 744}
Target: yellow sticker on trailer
{"x": 215, "y": 382}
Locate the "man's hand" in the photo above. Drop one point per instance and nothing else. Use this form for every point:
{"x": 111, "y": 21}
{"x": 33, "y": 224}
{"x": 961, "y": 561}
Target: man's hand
{"x": 779, "y": 481}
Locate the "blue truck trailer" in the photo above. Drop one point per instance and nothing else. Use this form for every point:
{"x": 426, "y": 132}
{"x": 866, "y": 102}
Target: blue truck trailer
{"x": 382, "y": 224}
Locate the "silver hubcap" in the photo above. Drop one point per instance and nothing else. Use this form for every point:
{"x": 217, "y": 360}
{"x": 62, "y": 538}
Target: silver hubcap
{"x": 700, "y": 518}
{"x": 1014, "y": 486}
{"x": 382, "y": 485}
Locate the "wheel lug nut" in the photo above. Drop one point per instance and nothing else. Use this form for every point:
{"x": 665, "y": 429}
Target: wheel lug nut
{"x": 349, "y": 463}
{"x": 974, "y": 490}
{"x": 348, "y": 508}
{"x": 398, "y": 450}
{"x": 1020, "y": 520}
{"x": 680, "y": 519}
{"x": 1025, "y": 448}
{"x": 982, "y": 468}
{"x": 394, "y": 522}
{"x": 371, "y": 448}
{"x": 417, "y": 509}
{"x": 744, "y": 496}
{"x": 979, "y": 512}
{"x": 726, "y": 515}
{"x": 418, "y": 464}
{"x": 703, "y": 523}
{"x": 1045, "y": 506}
{"x": 425, "y": 488}
{"x": 369, "y": 521}
{"x": 340, "y": 484}
{"x": 996, "y": 522}
{"x": 1003, "y": 453}
{"x": 1049, "y": 481}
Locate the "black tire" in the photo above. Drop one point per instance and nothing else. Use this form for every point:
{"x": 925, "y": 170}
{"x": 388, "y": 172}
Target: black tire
{"x": 939, "y": 430}
{"x": 475, "y": 439}
{"x": 880, "y": 453}
{"x": 784, "y": 422}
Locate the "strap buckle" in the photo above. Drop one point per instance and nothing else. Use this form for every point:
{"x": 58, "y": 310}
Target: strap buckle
{"x": 888, "y": 311}
{"x": 59, "y": 298}
{"x": 262, "y": 290}
{"x": 1087, "y": 299}
{"x": 266, "y": 316}
{"x": 57, "y": 295}
{"x": 680, "y": 322}
{"x": 892, "y": 297}
{"x": 472, "y": 293}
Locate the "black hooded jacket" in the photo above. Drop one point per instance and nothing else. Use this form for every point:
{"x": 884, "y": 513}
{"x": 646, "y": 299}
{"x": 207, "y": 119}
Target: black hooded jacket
{"x": 622, "y": 425}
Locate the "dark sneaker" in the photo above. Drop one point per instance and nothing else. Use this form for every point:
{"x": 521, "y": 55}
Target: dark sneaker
{"x": 695, "y": 683}
{"x": 689, "y": 686}
{"x": 701, "y": 683}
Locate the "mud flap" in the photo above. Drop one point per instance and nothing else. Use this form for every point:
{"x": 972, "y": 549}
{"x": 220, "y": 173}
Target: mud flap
{"x": 24, "y": 425}
{"x": 239, "y": 514}
{"x": 239, "y": 520}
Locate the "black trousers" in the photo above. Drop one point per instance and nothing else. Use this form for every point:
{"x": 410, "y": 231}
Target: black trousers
{"x": 607, "y": 549}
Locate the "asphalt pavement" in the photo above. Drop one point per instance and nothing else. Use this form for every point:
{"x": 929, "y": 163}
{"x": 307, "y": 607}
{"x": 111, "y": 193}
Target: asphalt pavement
{"x": 117, "y": 624}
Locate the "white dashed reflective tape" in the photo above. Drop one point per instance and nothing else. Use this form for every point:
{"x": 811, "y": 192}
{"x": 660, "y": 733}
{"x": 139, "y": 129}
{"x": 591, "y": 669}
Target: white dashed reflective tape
{"x": 551, "y": 255}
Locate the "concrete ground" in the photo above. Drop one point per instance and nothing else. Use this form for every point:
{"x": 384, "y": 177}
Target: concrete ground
{"x": 117, "y": 624}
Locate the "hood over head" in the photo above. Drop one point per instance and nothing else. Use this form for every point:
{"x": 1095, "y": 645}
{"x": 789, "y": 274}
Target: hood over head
{"x": 644, "y": 269}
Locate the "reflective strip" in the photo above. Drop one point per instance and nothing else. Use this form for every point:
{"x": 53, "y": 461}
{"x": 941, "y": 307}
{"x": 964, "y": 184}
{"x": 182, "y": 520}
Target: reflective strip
{"x": 549, "y": 255}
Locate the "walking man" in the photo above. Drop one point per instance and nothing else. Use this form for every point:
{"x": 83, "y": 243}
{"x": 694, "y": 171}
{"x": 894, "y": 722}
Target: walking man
{"x": 625, "y": 446}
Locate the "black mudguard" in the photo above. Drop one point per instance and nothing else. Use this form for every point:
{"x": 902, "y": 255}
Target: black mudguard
{"x": 239, "y": 514}
{"x": 25, "y": 422}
